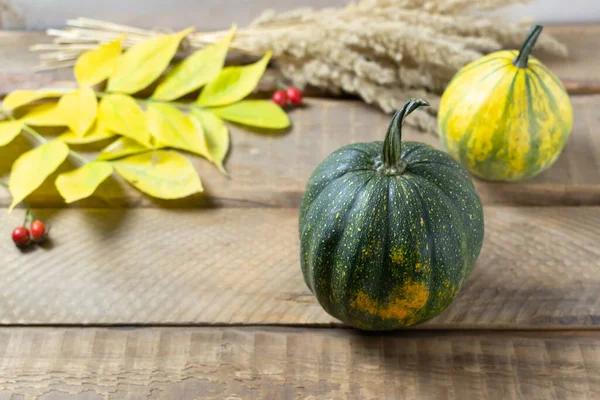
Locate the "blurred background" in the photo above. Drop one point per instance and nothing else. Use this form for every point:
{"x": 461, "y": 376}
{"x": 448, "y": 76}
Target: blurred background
{"x": 216, "y": 14}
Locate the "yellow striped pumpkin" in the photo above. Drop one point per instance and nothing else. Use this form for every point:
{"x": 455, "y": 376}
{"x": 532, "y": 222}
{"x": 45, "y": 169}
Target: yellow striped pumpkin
{"x": 506, "y": 116}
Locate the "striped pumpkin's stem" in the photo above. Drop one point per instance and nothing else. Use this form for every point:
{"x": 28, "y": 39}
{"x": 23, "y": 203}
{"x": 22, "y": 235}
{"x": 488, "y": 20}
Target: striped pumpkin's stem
{"x": 522, "y": 59}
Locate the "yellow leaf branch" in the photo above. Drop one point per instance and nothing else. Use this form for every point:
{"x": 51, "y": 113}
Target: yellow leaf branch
{"x": 141, "y": 128}
{"x": 42, "y": 140}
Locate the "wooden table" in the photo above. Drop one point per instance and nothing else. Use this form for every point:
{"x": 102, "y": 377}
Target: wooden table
{"x": 204, "y": 297}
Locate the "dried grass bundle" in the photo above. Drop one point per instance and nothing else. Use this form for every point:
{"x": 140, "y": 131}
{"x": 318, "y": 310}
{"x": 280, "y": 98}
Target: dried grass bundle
{"x": 381, "y": 50}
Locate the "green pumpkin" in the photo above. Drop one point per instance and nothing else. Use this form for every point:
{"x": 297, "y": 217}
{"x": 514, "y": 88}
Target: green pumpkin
{"x": 389, "y": 230}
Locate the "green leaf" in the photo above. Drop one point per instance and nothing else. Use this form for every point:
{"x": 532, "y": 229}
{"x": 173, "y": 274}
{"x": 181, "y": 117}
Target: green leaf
{"x": 19, "y": 98}
{"x": 258, "y": 113}
{"x": 79, "y": 109}
{"x": 195, "y": 71}
{"x": 173, "y": 128}
{"x": 120, "y": 148}
{"x": 143, "y": 63}
{"x": 162, "y": 174}
{"x": 94, "y": 66}
{"x": 45, "y": 114}
{"x": 233, "y": 83}
{"x": 121, "y": 113}
{"x": 82, "y": 182}
{"x": 216, "y": 135}
{"x": 9, "y": 130}
{"x": 96, "y": 134}
{"x": 32, "y": 168}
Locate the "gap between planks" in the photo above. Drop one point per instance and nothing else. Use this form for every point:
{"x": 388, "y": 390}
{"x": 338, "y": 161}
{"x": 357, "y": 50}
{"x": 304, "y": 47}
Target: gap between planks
{"x": 334, "y": 325}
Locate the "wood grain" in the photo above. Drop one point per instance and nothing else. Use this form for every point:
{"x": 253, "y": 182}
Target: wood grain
{"x": 579, "y": 70}
{"x": 292, "y": 363}
{"x": 271, "y": 170}
{"x": 235, "y": 262}
{"x": 538, "y": 270}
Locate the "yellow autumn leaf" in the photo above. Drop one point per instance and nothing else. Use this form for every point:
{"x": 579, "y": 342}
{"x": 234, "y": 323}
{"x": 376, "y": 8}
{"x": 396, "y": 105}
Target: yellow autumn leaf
{"x": 9, "y": 130}
{"x": 195, "y": 71}
{"x": 120, "y": 148}
{"x": 173, "y": 128}
{"x": 257, "y": 113}
{"x": 96, "y": 134}
{"x": 233, "y": 83}
{"x": 82, "y": 182}
{"x": 94, "y": 66}
{"x": 216, "y": 135}
{"x": 19, "y": 98}
{"x": 143, "y": 63}
{"x": 45, "y": 114}
{"x": 162, "y": 174}
{"x": 121, "y": 113}
{"x": 32, "y": 168}
{"x": 79, "y": 109}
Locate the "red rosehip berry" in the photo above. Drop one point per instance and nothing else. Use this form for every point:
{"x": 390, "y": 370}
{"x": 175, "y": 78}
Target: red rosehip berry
{"x": 280, "y": 98}
{"x": 38, "y": 231}
{"x": 20, "y": 236}
{"x": 294, "y": 95}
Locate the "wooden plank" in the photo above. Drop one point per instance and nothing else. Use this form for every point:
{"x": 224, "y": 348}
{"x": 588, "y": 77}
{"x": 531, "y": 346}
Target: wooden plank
{"x": 579, "y": 71}
{"x": 18, "y": 62}
{"x": 320, "y": 128}
{"x": 538, "y": 270}
{"x": 290, "y": 363}
{"x": 272, "y": 170}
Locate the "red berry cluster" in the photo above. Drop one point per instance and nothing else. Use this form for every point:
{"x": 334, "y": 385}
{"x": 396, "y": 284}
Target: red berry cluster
{"x": 290, "y": 95}
{"x": 37, "y": 233}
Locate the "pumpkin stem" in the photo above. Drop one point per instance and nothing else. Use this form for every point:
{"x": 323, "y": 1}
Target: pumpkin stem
{"x": 392, "y": 146}
{"x": 521, "y": 60}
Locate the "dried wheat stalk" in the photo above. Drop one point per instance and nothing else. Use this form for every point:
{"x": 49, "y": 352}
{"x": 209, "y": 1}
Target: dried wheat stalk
{"x": 381, "y": 50}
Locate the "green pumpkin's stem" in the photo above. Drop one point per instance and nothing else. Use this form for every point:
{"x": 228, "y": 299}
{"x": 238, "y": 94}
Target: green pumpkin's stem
{"x": 522, "y": 59}
{"x": 392, "y": 146}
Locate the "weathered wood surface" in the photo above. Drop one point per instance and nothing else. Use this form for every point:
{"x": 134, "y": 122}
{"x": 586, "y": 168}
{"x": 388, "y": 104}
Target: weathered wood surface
{"x": 579, "y": 71}
{"x": 271, "y": 170}
{"x": 235, "y": 262}
{"x": 268, "y": 363}
{"x": 538, "y": 269}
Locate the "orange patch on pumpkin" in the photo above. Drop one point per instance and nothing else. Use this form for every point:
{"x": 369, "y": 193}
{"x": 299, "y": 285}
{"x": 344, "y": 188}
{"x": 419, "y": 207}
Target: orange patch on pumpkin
{"x": 406, "y": 301}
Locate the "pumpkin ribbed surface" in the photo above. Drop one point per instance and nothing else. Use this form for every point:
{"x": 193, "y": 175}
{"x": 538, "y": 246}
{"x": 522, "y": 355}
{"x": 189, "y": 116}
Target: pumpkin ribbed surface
{"x": 388, "y": 248}
{"x": 502, "y": 121}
